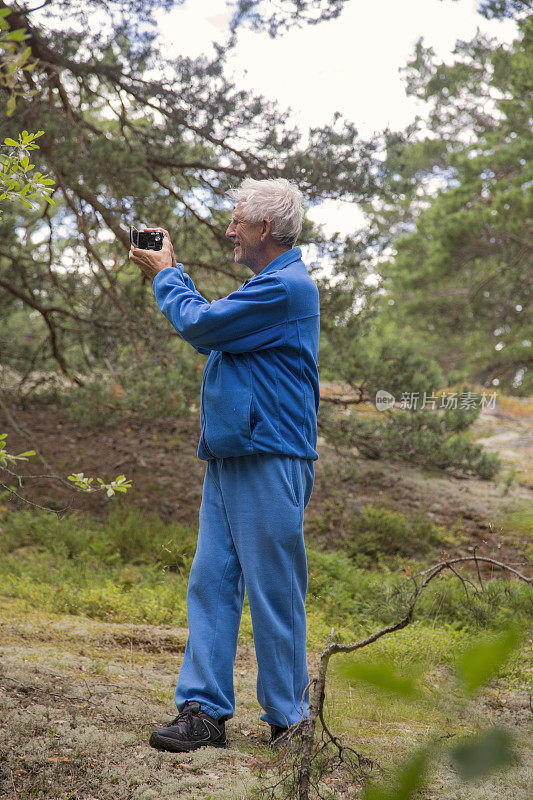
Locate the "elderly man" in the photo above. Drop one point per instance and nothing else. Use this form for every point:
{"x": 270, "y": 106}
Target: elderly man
{"x": 259, "y": 404}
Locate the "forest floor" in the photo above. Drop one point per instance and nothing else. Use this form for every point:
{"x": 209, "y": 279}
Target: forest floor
{"x": 160, "y": 459}
{"x": 79, "y": 696}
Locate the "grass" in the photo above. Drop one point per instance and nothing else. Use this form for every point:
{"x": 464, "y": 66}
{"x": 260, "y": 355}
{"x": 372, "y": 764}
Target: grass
{"x": 518, "y": 522}
{"x": 133, "y": 568}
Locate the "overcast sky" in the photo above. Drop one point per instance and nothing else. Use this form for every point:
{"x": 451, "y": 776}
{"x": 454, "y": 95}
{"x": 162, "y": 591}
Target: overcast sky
{"x": 350, "y": 64}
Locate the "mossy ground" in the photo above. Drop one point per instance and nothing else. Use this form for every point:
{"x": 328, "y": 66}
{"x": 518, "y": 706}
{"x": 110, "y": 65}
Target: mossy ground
{"x": 93, "y": 616}
{"x": 79, "y": 698}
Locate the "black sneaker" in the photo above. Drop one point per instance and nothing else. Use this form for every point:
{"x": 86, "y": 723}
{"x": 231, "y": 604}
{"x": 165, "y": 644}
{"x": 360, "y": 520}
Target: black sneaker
{"x": 287, "y": 737}
{"x": 191, "y": 729}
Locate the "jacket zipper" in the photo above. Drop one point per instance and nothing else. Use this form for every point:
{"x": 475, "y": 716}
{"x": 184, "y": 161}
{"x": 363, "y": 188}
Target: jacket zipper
{"x": 202, "y": 417}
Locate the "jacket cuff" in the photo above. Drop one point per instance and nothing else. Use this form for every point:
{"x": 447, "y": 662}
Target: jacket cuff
{"x": 164, "y": 272}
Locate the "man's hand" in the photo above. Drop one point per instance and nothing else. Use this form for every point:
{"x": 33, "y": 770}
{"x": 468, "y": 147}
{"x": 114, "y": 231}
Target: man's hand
{"x": 153, "y": 261}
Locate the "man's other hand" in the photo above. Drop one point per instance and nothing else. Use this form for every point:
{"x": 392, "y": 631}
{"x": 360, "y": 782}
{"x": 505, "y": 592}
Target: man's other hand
{"x": 152, "y": 262}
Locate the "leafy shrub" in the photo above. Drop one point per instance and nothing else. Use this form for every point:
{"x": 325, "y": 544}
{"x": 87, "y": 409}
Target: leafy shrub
{"x": 145, "y": 390}
{"x": 376, "y": 535}
{"x": 126, "y": 536}
{"x": 348, "y": 595}
{"x": 134, "y": 568}
{"x": 430, "y": 438}
{"x": 378, "y": 532}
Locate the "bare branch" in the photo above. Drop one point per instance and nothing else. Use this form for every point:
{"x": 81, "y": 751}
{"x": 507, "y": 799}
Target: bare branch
{"x": 332, "y": 647}
{"x": 30, "y": 502}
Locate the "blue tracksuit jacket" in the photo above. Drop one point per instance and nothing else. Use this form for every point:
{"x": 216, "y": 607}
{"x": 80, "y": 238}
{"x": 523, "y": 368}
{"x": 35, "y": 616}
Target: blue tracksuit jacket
{"x": 260, "y": 388}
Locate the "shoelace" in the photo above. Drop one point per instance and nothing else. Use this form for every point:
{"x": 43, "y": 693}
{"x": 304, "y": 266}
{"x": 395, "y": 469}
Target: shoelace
{"x": 184, "y": 716}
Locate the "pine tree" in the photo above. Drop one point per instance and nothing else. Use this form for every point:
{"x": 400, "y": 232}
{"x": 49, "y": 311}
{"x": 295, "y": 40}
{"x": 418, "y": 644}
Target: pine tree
{"x": 458, "y": 218}
{"x": 132, "y": 136}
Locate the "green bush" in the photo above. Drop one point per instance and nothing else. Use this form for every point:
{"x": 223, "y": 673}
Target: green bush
{"x": 99, "y": 597}
{"x": 126, "y": 536}
{"x": 430, "y": 438}
{"x": 134, "y": 568}
{"x": 143, "y": 390}
{"x": 348, "y": 595}
{"x": 377, "y": 532}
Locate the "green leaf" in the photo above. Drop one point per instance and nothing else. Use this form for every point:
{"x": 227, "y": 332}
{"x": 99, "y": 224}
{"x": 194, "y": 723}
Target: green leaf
{"x": 18, "y": 35}
{"x": 4, "y": 12}
{"x": 480, "y": 662}
{"x": 11, "y": 142}
{"x": 11, "y": 103}
{"x": 380, "y": 676}
{"x": 482, "y": 754}
{"x": 26, "y": 454}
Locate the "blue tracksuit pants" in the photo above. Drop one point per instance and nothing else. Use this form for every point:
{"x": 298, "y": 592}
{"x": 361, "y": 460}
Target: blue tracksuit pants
{"x": 250, "y": 535}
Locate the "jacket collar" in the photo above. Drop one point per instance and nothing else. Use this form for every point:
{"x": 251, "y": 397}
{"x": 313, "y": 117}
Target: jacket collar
{"x": 294, "y": 254}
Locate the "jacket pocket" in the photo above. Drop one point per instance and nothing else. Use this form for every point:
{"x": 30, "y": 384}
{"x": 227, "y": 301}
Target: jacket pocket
{"x": 227, "y": 422}
{"x": 253, "y": 418}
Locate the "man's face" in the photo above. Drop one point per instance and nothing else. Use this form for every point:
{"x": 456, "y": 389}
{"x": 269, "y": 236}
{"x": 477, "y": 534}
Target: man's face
{"x": 246, "y": 238}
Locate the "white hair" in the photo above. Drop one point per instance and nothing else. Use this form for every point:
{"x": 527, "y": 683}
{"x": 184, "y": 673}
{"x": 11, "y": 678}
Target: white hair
{"x": 275, "y": 199}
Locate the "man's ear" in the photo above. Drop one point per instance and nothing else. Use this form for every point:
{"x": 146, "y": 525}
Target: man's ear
{"x": 267, "y": 229}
